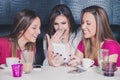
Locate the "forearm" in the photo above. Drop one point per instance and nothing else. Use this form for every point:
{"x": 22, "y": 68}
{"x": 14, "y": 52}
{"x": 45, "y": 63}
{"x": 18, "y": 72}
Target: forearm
{"x": 79, "y": 55}
{"x": 50, "y": 57}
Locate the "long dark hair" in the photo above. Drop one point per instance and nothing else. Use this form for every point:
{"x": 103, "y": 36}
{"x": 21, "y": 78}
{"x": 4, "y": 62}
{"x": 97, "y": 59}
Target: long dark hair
{"x": 64, "y": 10}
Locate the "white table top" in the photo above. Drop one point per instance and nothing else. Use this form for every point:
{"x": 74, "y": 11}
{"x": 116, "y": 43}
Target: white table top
{"x": 58, "y": 73}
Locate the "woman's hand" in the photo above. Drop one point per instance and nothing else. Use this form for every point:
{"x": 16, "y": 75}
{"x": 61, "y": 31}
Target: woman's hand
{"x": 58, "y": 36}
{"x": 74, "y": 61}
{"x": 56, "y": 60}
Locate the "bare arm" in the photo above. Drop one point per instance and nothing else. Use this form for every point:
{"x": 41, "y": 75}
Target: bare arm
{"x": 76, "y": 59}
{"x": 79, "y": 54}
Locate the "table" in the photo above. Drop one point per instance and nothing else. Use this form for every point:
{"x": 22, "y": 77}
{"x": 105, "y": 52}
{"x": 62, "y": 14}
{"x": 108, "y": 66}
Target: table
{"x": 58, "y": 73}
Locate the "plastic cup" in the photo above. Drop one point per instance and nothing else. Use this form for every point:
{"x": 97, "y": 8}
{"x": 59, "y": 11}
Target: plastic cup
{"x": 27, "y": 67}
{"x": 103, "y": 56}
{"x": 109, "y": 68}
{"x": 17, "y": 70}
{"x": 27, "y": 61}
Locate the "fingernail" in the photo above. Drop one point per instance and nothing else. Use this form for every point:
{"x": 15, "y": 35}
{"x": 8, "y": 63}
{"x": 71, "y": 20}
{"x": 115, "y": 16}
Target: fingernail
{"x": 57, "y": 53}
{"x": 64, "y": 58}
{"x": 60, "y": 54}
{"x": 70, "y": 55}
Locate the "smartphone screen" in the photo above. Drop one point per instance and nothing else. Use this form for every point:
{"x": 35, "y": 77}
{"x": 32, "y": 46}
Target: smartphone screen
{"x": 77, "y": 70}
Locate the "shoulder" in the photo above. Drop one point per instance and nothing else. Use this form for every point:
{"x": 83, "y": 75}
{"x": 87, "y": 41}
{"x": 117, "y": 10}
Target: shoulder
{"x": 4, "y": 40}
{"x": 75, "y": 38}
{"x": 81, "y": 46}
{"x": 81, "y": 43}
{"x": 79, "y": 31}
{"x": 112, "y": 45}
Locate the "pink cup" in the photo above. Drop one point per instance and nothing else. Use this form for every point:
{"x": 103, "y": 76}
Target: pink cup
{"x": 109, "y": 68}
{"x": 17, "y": 70}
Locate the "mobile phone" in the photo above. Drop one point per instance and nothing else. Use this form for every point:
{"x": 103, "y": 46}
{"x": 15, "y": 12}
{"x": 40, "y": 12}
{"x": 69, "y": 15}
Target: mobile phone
{"x": 61, "y": 50}
{"x": 77, "y": 70}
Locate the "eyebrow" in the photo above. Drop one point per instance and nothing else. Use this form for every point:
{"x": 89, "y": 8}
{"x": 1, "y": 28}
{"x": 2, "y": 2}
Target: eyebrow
{"x": 34, "y": 24}
{"x": 88, "y": 21}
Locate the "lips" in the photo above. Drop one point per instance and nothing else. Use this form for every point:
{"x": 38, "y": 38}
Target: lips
{"x": 84, "y": 32}
{"x": 35, "y": 36}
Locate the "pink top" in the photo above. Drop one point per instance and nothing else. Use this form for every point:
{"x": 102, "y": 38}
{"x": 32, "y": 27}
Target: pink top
{"x": 112, "y": 45}
{"x": 6, "y": 50}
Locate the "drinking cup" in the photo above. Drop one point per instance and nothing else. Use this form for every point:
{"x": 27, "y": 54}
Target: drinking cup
{"x": 17, "y": 70}
{"x": 103, "y": 56}
{"x": 11, "y": 60}
{"x": 109, "y": 68}
{"x": 27, "y": 60}
{"x": 87, "y": 63}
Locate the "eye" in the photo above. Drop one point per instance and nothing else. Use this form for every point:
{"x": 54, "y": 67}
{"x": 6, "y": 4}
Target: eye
{"x": 55, "y": 23}
{"x": 63, "y": 22}
{"x": 88, "y": 23}
{"x": 82, "y": 22}
{"x": 33, "y": 27}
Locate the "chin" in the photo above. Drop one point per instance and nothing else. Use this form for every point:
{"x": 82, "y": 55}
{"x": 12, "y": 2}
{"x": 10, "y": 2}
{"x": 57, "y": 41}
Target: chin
{"x": 33, "y": 41}
{"x": 86, "y": 37}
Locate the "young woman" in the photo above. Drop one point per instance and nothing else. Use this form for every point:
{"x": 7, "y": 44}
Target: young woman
{"x": 25, "y": 30}
{"x": 96, "y": 35}
{"x": 63, "y": 36}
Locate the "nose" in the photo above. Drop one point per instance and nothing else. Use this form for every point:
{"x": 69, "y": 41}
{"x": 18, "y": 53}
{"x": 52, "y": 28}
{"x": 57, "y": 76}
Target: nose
{"x": 38, "y": 31}
{"x": 60, "y": 27}
{"x": 83, "y": 26}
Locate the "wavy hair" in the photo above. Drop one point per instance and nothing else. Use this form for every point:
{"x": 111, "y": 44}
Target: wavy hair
{"x": 103, "y": 30}
{"x": 22, "y": 21}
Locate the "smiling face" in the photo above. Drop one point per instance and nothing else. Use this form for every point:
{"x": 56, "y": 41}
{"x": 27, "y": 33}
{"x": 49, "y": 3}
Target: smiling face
{"x": 61, "y": 22}
{"x": 33, "y": 31}
{"x": 88, "y": 25}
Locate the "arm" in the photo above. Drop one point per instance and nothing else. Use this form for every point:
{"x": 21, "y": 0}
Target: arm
{"x": 54, "y": 59}
{"x": 79, "y": 54}
{"x": 76, "y": 59}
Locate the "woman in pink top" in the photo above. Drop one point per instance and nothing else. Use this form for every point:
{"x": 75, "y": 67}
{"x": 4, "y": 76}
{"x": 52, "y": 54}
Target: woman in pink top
{"x": 23, "y": 35}
{"x": 96, "y": 35}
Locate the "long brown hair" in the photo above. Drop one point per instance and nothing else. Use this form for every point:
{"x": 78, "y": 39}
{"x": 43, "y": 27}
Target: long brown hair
{"x": 103, "y": 31}
{"x": 22, "y": 21}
